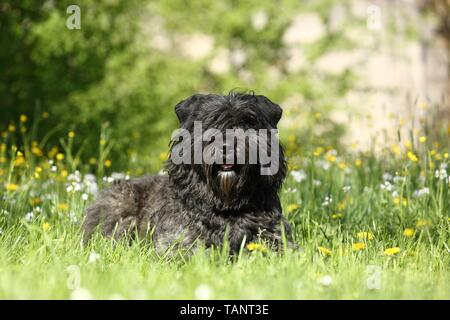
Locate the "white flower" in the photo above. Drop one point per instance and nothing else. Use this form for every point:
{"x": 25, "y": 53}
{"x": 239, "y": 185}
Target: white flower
{"x": 117, "y": 176}
{"x": 441, "y": 174}
{"x": 259, "y": 20}
{"x": 29, "y": 216}
{"x": 74, "y": 177}
{"x": 386, "y": 186}
{"x": 347, "y": 188}
{"x": 73, "y": 217}
{"x": 317, "y": 183}
{"x": 399, "y": 179}
{"x": 54, "y": 168}
{"x": 85, "y": 196}
{"x": 291, "y": 190}
{"x": 327, "y": 201}
{"x": 421, "y": 192}
{"x": 326, "y": 281}
{"x": 80, "y": 294}
{"x": 299, "y": 175}
{"x": 203, "y": 292}
{"x": 69, "y": 188}
{"x": 93, "y": 256}
{"x": 387, "y": 176}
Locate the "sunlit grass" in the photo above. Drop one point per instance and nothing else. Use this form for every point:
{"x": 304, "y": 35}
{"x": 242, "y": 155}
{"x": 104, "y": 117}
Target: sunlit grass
{"x": 355, "y": 216}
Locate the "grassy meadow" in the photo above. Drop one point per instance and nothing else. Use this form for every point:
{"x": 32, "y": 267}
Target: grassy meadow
{"x": 370, "y": 225}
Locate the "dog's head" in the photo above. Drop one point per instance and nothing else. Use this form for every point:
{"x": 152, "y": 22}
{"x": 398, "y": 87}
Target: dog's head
{"x": 226, "y": 152}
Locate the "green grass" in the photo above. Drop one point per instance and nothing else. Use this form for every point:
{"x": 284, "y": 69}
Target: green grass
{"x": 42, "y": 257}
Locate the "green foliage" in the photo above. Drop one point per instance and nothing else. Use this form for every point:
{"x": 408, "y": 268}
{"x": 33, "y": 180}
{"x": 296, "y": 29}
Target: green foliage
{"x": 108, "y": 72}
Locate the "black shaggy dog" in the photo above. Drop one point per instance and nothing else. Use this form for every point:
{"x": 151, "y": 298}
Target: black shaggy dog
{"x": 202, "y": 202}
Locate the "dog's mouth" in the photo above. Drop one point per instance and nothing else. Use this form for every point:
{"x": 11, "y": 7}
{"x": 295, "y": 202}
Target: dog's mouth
{"x": 227, "y": 167}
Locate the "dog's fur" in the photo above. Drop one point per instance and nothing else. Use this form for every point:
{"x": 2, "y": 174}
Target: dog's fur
{"x": 191, "y": 202}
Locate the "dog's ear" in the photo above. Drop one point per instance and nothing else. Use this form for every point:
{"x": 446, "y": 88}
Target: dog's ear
{"x": 271, "y": 110}
{"x": 184, "y": 108}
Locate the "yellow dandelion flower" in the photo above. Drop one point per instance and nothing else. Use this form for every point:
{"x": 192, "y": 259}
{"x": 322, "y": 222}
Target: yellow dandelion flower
{"x": 409, "y": 232}
{"x": 64, "y": 174}
{"x": 318, "y": 151}
{"x": 317, "y": 115}
{"x": 407, "y": 144}
{"x": 102, "y": 142}
{"x": 292, "y": 207}
{"x": 341, "y": 205}
{"x": 63, "y": 206}
{"x": 291, "y": 138}
{"x": 53, "y": 152}
{"x": 342, "y": 165}
{"x": 60, "y": 156}
{"x": 358, "y": 162}
{"x": 337, "y": 216}
{"x": 35, "y": 201}
{"x": 358, "y": 246}
{"x": 108, "y": 163}
{"x": 392, "y": 251}
{"x": 37, "y": 151}
{"x": 256, "y": 247}
{"x": 412, "y": 156}
{"x": 12, "y": 128}
{"x": 12, "y": 187}
{"x": 45, "y": 115}
{"x": 395, "y": 149}
{"x": 324, "y": 251}
{"x": 23, "y": 118}
{"x": 400, "y": 201}
{"x": 422, "y": 223}
{"x": 46, "y": 226}
{"x": 446, "y": 155}
{"x": 19, "y": 161}
{"x": 163, "y": 156}
{"x": 423, "y": 139}
{"x": 365, "y": 235}
{"x": 71, "y": 134}
{"x": 331, "y": 158}
{"x": 92, "y": 161}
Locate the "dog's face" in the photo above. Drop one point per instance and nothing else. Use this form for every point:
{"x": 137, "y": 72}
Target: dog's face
{"x": 232, "y": 146}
